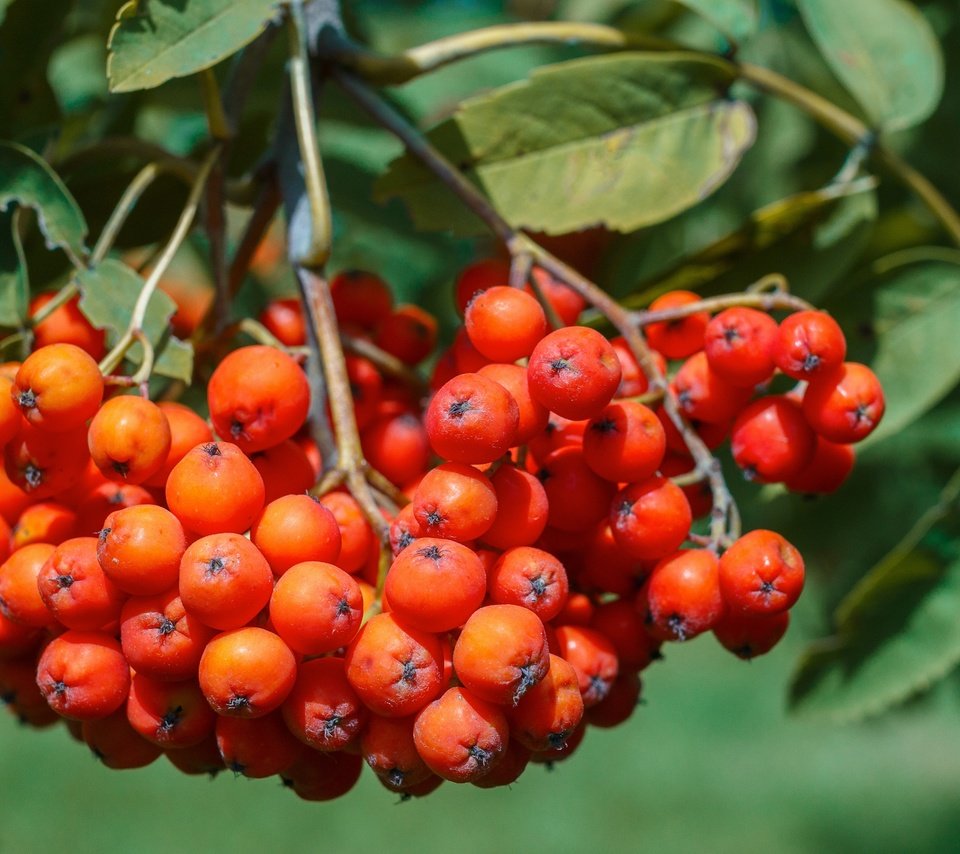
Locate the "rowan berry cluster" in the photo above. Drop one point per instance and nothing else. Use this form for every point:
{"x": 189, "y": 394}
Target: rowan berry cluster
{"x": 170, "y": 586}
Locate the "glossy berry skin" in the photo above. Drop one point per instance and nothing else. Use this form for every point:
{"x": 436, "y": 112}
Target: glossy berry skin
{"x": 360, "y": 298}
{"x": 409, "y": 333}
{"x": 83, "y": 675}
{"x": 436, "y": 584}
{"x": 459, "y": 736}
{"x": 477, "y": 277}
{"x": 501, "y": 653}
{"x": 741, "y": 345}
{"x": 574, "y": 372}
{"x": 533, "y": 416}
{"x": 650, "y": 519}
{"x": 625, "y": 442}
{"x": 681, "y": 338}
{"x": 58, "y": 388}
{"x": 522, "y": 509}
{"x": 258, "y": 396}
{"x": 703, "y": 395}
{"x": 550, "y": 711}
{"x": 761, "y": 574}
{"x": 66, "y": 325}
{"x": 844, "y": 405}
{"x": 323, "y": 710}
{"x": 826, "y": 471}
{"x": 578, "y": 496}
{"x": 129, "y": 439}
{"x": 454, "y": 501}
{"x": 395, "y": 669}
{"x": 472, "y": 419}
{"x": 810, "y": 344}
{"x": 683, "y": 596}
{"x": 505, "y": 323}
{"x": 748, "y": 636}
{"x": 593, "y": 658}
{"x": 531, "y": 578}
{"x": 771, "y": 440}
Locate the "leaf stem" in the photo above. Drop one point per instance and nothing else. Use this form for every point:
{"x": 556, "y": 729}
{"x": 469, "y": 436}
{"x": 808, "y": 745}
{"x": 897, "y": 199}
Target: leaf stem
{"x": 321, "y": 233}
{"x": 111, "y": 361}
{"x": 766, "y": 301}
{"x": 392, "y": 70}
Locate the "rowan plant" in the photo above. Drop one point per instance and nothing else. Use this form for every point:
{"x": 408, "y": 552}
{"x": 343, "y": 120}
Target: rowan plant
{"x": 423, "y": 383}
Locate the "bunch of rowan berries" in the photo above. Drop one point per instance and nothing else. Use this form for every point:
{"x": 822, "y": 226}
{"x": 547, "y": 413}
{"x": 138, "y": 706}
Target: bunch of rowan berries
{"x": 170, "y": 586}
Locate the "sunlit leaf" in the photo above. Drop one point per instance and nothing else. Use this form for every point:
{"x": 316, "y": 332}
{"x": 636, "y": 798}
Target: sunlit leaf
{"x": 155, "y": 40}
{"x": 622, "y": 141}
{"x": 884, "y": 52}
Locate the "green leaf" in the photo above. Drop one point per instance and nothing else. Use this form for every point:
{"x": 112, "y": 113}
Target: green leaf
{"x": 906, "y": 328}
{"x": 622, "y": 141}
{"x": 14, "y": 285}
{"x": 75, "y": 72}
{"x": 884, "y": 52}
{"x": 736, "y": 19}
{"x": 108, "y": 294}
{"x": 28, "y": 180}
{"x": 156, "y": 40}
{"x": 899, "y": 637}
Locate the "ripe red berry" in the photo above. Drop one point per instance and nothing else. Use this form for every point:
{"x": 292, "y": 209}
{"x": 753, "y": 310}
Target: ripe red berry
{"x": 761, "y": 574}
{"x": 574, "y": 372}
{"x": 811, "y": 343}
{"x": 771, "y": 440}
{"x": 683, "y": 595}
{"x": 650, "y": 519}
{"x": 844, "y": 405}
{"x": 741, "y": 345}
{"x": 677, "y": 339}
{"x": 504, "y": 323}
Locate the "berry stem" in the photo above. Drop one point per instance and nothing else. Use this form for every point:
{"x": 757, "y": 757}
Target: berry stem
{"x": 764, "y": 300}
{"x": 113, "y": 359}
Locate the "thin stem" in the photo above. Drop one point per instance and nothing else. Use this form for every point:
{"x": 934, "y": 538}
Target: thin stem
{"x": 852, "y": 131}
{"x": 115, "y": 356}
{"x": 391, "y": 70}
{"x": 349, "y": 460}
{"x": 216, "y": 228}
{"x": 217, "y": 120}
{"x": 766, "y": 301}
{"x": 264, "y": 210}
{"x": 321, "y": 230}
{"x": 118, "y": 217}
{"x": 385, "y": 362}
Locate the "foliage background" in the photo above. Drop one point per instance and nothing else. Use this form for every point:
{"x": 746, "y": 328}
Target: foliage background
{"x": 713, "y": 760}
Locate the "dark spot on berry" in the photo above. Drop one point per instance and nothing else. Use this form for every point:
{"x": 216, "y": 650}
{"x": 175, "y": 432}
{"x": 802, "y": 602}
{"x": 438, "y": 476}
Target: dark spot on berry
{"x": 861, "y": 414}
{"x": 684, "y": 398}
{"x": 330, "y": 725}
{"x": 238, "y": 704}
{"x": 810, "y": 363}
{"x": 211, "y": 449}
{"x": 558, "y": 740}
{"x": 237, "y": 767}
{"x": 559, "y": 365}
{"x": 543, "y": 475}
{"x": 120, "y": 468}
{"x": 676, "y": 625}
{"x": 434, "y": 518}
{"x": 404, "y": 540}
{"x": 65, "y": 581}
{"x": 604, "y": 425}
{"x": 409, "y": 672}
{"x": 767, "y": 588}
{"x": 459, "y": 409}
{"x": 749, "y": 473}
{"x": 116, "y": 497}
{"x": 170, "y": 719}
{"x": 98, "y": 754}
{"x": 236, "y": 429}
{"x": 745, "y": 652}
{"x": 343, "y": 608}
{"x": 27, "y": 399}
{"x": 215, "y": 565}
{"x": 103, "y": 533}
{"x": 7, "y": 697}
{"x": 528, "y": 678}
{"x": 730, "y": 334}
{"x": 599, "y": 687}
{"x": 59, "y": 688}
{"x": 480, "y": 756}
{"x": 33, "y": 475}
{"x": 166, "y": 627}
{"x": 396, "y": 778}
{"x": 625, "y": 508}
{"x": 430, "y": 552}
{"x": 286, "y": 782}
{"x": 538, "y": 586}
